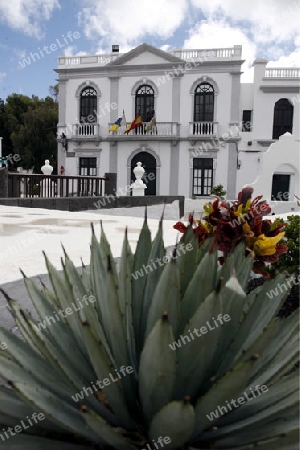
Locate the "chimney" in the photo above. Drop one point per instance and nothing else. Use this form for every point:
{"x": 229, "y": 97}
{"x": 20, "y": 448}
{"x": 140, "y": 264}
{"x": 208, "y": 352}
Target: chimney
{"x": 115, "y": 49}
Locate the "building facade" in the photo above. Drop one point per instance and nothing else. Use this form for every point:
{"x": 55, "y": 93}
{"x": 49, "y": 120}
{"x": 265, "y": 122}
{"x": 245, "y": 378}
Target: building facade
{"x": 200, "y": 125}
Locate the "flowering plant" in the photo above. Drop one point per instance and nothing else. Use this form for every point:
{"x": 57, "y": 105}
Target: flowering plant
{"x": 229, "y": 223}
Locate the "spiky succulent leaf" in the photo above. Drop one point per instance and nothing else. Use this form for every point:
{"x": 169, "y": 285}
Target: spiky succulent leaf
{"x": 176, "y": 421}
{"x": 157, "y": 368}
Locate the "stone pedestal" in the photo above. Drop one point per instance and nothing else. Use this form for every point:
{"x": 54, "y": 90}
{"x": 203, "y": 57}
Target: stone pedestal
{"x": 138, "y": 187}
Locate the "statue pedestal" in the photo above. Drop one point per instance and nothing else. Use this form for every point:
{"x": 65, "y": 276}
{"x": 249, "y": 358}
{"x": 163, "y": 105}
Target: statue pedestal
{"x": 138, "y": 187}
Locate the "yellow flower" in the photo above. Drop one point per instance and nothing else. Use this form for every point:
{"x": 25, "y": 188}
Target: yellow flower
{"x": 247, "y": 230}
{"x": 241, "y": 211}
{"x": 208, "y": 208}
{"x": 266, "y": 246}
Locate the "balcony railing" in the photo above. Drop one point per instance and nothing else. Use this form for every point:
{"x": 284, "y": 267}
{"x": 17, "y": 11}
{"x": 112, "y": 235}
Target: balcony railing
{"x": 86, "y": 130}
{"x": 282, "y": 73}
{"x": 99, "y": 60}
{"x": 35, "y": 185}
{"x": 203, "y": 128}
{"x": 160, "y": 129}
{"x": 185, "y": 54}
{"x": 188, "y": 54}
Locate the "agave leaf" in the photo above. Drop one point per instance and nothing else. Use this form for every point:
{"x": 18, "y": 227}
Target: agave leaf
{"x": 187, "y": 261}
{"x": 108, "y": 434}
{"x": 157, "y": 251}
{"x": 228, "y": 303}
{"x": 126, "y": 266}
{"x": 15, "y": 408}
{"x": 138, "y": 283}
{"x": 176, "y": 420}
{"x": 64, "y": 293}
{"x": 196, "y": 352}
{"x": 157, "y": 368}
{"x": 263, "y": 400}
{"x": 57, "y": 410}
{"x": 243, "y": 272}
{"x": 227, "y": 388}
{"x": 28, "y": 358}
{"x": 280, "y": 334}
{"x": 284, "y": 361}
{"x": 166, "y": 298}
{"x": 274, "y": 421}
{"x": 289, "y": 441}
{"x": 26, "y": 442}
{"x": 200, "y": 286}
{"x": 203, "y": 249}
{"x": 103, "y": 369}
{"x": 258, "y": 312}
{"x": 59, "y": 331}
{"x": 87, "y": 310}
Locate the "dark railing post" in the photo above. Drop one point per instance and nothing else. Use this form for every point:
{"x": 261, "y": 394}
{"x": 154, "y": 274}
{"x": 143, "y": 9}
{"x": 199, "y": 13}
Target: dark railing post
{"x": 110, "y": 184}
{"x": 3, "y": 182}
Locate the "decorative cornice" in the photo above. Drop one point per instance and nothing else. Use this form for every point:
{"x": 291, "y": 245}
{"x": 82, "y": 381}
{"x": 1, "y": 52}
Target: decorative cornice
{"x": 142, "y": 49}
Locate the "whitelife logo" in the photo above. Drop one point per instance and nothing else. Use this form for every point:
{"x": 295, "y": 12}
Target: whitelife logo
{"x": 241, "y": 400}
{"x": 53, "y": 48}
{"x": 184, "y": 339}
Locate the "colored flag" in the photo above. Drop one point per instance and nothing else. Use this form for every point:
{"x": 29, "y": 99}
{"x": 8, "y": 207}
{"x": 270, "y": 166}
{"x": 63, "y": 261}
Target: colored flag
{"x": 137, "y": 122}
{"x": 151, "y": 124}
{"x": 116, "y": 125}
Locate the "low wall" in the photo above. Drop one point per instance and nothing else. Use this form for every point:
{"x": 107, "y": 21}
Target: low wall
{"x": 96, "y": 203}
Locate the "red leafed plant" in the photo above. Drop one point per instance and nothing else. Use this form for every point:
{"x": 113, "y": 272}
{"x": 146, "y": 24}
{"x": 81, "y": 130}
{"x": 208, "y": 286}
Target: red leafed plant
{"x": 229, "y": 223}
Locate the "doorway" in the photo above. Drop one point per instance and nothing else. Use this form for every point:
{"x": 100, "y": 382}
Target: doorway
{"x": 149, "y": 164}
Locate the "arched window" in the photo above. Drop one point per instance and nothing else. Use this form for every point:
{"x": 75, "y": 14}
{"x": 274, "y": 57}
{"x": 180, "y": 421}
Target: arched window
{"x": 283, "y": 118}
{"x": 204, "y": 103}
{"x": 88, "y": 105}
{"x": 144, "y": 102}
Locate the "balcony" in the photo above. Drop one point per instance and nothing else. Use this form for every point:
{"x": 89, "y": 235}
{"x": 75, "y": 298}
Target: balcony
{"x": 86, "y": 130}
{"x": 203, "y": 130}
{"x": 162, "y": 131}
{"x": 288, "y": 72}
{"x": 208, "y": 54}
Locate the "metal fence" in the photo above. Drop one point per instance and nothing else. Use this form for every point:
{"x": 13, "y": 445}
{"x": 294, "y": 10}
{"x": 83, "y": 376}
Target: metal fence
{"x": 44, "y": 186}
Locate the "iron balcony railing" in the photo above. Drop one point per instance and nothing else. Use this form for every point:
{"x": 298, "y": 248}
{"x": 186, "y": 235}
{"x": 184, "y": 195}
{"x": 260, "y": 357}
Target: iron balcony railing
{"x": 44, "y": 186}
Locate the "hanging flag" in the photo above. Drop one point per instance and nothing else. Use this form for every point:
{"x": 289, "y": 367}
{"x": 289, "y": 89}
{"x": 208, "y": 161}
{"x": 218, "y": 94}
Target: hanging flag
{"x": 116, "y": 125}
{"x": 152, "y": 122}
{"x": 137, "y": 122}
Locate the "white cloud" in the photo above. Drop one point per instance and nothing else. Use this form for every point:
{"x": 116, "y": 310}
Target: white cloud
{"x": 2, "y": 76}
{"x": 291, "y": 60}
{"x": 27, "y": 15}
{"x": 219, "y": 34}
{"x": 71, "y": 51}
{"x": 125, "y": 23}
{"x": 267, "y": 20}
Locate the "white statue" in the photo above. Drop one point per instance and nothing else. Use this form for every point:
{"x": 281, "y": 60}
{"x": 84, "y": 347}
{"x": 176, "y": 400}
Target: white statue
{"x": 48, "y": 187}
{"x": 47, "y": 169}
{"x": 138, "y": 187}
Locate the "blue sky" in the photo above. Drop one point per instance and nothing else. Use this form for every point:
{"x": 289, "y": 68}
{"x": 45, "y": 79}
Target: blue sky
{"x": 268, "y": 28}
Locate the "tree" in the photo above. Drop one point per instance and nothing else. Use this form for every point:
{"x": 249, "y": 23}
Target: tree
{"x": 35, "y": 140}
{"x": 28, "y": 127}
{"x": 53, "y": 90}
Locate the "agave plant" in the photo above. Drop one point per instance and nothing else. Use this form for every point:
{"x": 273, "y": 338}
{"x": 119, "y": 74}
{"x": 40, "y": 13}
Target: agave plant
{"x": 167, "y": 397}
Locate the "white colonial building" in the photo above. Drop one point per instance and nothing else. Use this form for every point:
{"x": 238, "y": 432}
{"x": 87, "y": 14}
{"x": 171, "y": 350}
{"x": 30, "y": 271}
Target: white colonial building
{"x": 210, "y": 128}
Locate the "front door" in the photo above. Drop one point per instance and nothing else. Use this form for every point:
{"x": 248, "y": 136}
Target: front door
{"x": 149, "y": 164}
{"x": 280, "y": 186}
